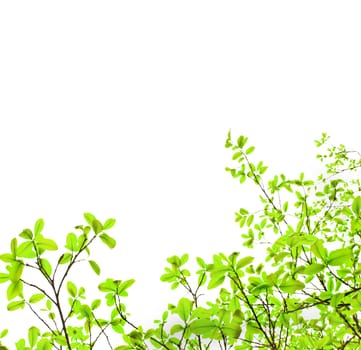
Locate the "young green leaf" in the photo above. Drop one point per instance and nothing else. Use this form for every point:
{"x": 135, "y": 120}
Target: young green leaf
{"x": 109, "y": 223}
{"x": 94, "y": 266}
{"x": 33, "y": 334}
{"x": 109, "y": 241}
{"x": 38, "y": 227}
{"x": 89, "y": 218}
{"x": 72, "y": 290}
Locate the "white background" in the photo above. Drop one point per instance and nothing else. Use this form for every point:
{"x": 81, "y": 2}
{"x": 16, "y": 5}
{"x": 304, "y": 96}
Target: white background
{"x": 121, "y": 108}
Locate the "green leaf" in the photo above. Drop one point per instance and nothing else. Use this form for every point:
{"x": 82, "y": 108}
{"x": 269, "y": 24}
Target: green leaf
{"x": 94, "y": 266}
{"x": 26, "y": 234}
{"x": 107, "y": 286}
{"x": 109, "y": 224}
{"x": 244, "y": 261}
{"x": 3, "y": 333}
{"x": 46, "y": 266}
{"x": 36, "y": 297}
{"x": 46, "y": 244}
{"x": 44, "y": 344}
{"x": 340, "y": 256}
{"x": 204, "y": 327}
{"x": 184, "y": 308}
{"x": 61, "y": 340}
{"x": 15, "y": 271}
{"x": 356, "y": 206}
{"x": 8, "y": 258}
{"x": 319, "y": 250}
{"x": 95, "y": 304}
{"x": 38, "y": 227}
{"x": 72, "y": 242}
{"x": 290, "y": 286}
{"x": 201, "y": 262}
{"x": 33, "y": 334}
{"x": 97, "y": 226}
{"x": 71, "y": 287}
{"x": 313, "y": 269}
{"x": 4, "y": 277}
{"x": 109, "y": 241}
{"x": 15, "y": 305}
{"x": 241, "y": 141}
{"x": 65, "y": 258}
{"x": 89, "y": 218}
{"x": 13, "y": 246}
{"x": 14, "y": 290}
{"x": 216, "y": 281}
{"x": 176, "y": 329}
{"x": 122, "y": 287}
{"x": 26, "y": 250}
{"x": 250, "y": 150}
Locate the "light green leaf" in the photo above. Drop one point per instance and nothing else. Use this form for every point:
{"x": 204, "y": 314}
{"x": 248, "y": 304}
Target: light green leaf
{"x": 204, "y": 327}
{"x": 3, "y": 333}
{"x": 26, "y": 250}
{"x": 89, "y": 218}
{"x": 109, "y": 224}
{"x": 94, "y": 266}
{"x": 184, "y": 308}
{"x": 95, "y": 304}
{"x": 15, "y": 271}
{"x": 36, "y": 297}
{"x": 46, "y": 244}
{"x": 72, "y": 242}
{"x": 71, "y": 287}
{"x": 13, "y": 246}
{"x": 4, "y": 277}
{"x": 46, "y": 266}
{"x": 33, "y": 334}
{"x": 15, "y": 305}
{"x": 14, "y": 289}
{"x": 313, "y": 269}
{"x": 216, "y": 281}
{"x": 109, "y": 241}
{"x": 319, "y": 250}
{"x": 244, "y": 261}
{"x": 38, "y": 227}
{"x": 60, "y": 339}
{"x": 290, "y": 286}
{"x": 356, "y": 206}
{"x": 123, "y": 286}
{"x": 65, "y": 258}
{"x": 176, "y": 329}
{"x": 26, "y": 234}
{"x": 340, "y": 256}
{"x": 97, "y": 226}
{"x": 44, "y": 344}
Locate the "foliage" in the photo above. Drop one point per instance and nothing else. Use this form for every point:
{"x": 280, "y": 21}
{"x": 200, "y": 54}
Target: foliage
{"x": 304, "y": 294}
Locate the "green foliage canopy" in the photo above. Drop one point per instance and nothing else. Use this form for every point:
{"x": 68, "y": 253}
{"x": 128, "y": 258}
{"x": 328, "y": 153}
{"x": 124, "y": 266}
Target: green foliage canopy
{"x": 304, "y": 294}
